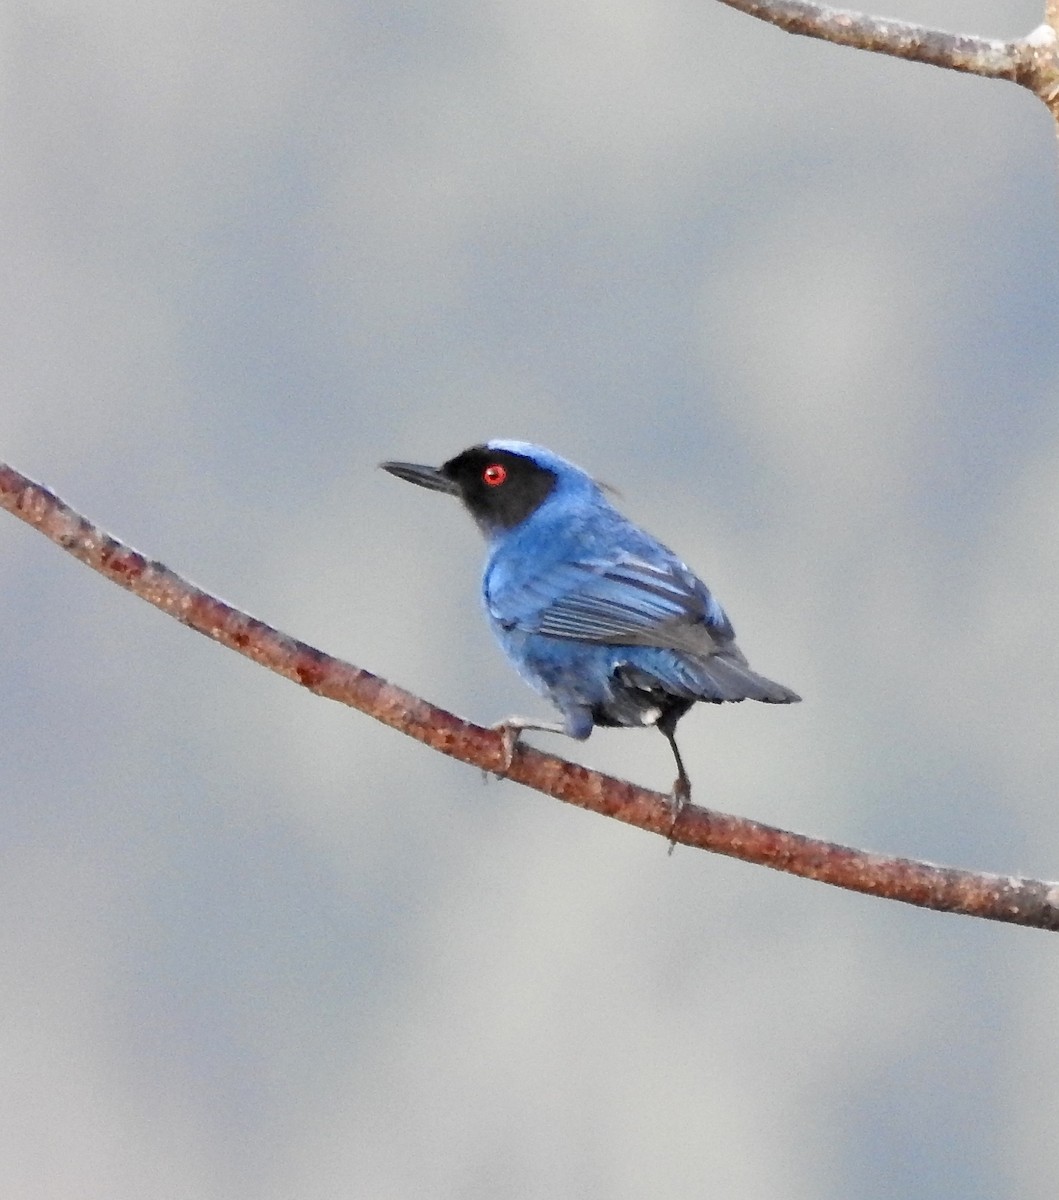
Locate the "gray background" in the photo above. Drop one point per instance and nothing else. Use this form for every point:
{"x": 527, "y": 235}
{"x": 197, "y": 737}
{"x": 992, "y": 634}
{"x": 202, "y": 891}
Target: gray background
{"x": 799, "y": 305}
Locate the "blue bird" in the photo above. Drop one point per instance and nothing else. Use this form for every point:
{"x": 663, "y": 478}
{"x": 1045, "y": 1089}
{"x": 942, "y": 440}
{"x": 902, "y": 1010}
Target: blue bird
{"x": 595, "y": 614}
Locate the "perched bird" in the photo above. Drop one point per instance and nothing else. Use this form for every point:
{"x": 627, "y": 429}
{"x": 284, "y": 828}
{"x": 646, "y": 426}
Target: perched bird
{"x": 597, "y": 615}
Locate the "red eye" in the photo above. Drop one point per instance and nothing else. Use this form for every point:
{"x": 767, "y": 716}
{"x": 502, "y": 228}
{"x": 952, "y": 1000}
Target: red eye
{"x": 494, "y": 475}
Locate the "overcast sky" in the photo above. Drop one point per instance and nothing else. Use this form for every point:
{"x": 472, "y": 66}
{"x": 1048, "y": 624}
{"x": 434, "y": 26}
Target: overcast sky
{"x": 798, "y": 305}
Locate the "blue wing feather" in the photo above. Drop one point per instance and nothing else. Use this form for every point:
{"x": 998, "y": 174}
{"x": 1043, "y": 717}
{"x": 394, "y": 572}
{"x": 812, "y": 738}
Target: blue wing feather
{"x": 623, "y": 600}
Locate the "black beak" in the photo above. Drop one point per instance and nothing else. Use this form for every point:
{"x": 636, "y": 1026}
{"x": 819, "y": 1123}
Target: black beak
{"x": 427, "y": 477}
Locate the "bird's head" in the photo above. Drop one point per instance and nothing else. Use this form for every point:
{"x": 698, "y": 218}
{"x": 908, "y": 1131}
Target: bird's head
{"x": 500, "y": 482}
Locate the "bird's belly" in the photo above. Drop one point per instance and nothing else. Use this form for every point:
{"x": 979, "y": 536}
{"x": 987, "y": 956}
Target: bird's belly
{"x": 589, "y": 675}
{"x": 575, "y": 671}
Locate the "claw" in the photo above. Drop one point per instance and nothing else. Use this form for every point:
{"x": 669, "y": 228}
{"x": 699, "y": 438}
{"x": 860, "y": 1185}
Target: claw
{"x": 509, "y": 737}
{"x": 679, "y": 799}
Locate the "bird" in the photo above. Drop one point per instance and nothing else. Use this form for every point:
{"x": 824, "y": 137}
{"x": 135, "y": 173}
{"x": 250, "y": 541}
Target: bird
{"x": 595, "y": 614}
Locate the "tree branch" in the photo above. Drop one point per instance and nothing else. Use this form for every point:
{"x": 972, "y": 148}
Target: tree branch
{"x": 1032, "y": 61}
{"x": 1018, "y": 901}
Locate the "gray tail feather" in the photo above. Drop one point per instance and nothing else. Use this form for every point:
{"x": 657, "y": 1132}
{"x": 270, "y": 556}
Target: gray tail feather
{"x": 727, "y": 678}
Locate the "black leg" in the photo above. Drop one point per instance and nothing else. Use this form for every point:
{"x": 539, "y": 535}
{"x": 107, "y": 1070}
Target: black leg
{"x": 681, "y": 793}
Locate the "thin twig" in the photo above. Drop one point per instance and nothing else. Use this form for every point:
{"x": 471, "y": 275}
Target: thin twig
{"x": 1018, "y": 901}
{"x": 1032, "y": 61}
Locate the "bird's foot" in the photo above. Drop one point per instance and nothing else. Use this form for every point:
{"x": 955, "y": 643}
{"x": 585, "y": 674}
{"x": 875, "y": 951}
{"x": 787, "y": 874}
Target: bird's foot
{"x": 509, "y": 738}
{"x": 679, "y": 799}
{"x": 511, "y": 729}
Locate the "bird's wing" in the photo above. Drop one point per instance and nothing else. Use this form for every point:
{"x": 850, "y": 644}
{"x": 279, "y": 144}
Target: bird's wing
{"x": 625, "y": 600}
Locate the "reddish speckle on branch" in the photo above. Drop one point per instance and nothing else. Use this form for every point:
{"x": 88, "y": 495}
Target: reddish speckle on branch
{"x": 121, "y": 563}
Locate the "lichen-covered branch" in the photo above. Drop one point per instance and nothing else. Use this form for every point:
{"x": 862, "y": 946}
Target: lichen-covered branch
{"x": 1018, "y": 901}
{"x": 1032, "y": 61}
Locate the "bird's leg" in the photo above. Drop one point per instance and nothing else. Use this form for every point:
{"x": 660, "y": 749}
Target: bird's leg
{"x": 681, "y": 793}
{"x": 510, "y": 730}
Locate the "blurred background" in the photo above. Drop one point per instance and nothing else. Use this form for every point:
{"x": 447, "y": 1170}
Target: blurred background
{"x": 799, "y": 305}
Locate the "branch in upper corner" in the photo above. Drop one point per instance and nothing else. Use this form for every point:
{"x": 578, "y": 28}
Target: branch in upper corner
{"x": 1032, "y": 61}
{"x": 1017, "y": 901}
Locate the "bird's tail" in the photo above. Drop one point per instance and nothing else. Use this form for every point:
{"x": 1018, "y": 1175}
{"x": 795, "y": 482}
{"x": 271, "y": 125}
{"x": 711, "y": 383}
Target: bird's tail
{"x": 727, "y": 677}
{"x": 719, "y": 678}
